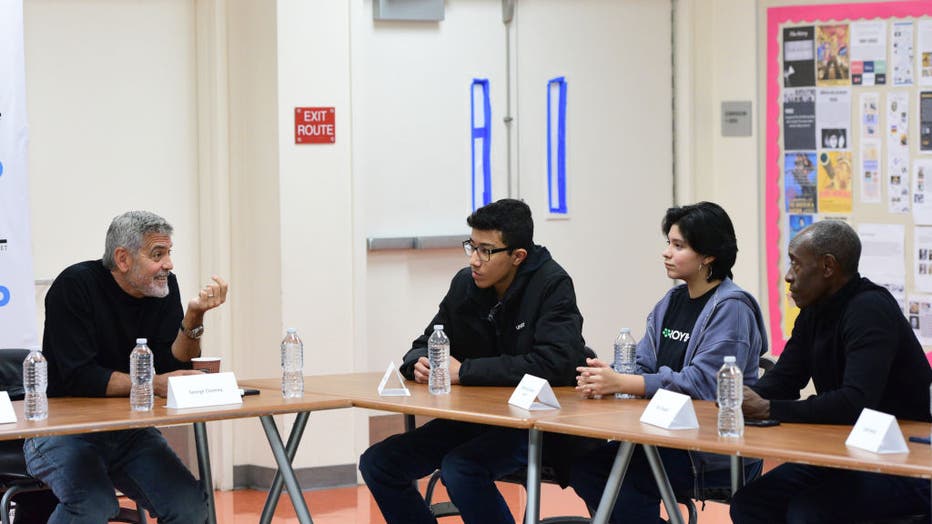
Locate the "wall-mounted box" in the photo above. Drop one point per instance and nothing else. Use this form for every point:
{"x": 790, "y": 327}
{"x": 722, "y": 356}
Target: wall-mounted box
{"x": 411, "y": 10}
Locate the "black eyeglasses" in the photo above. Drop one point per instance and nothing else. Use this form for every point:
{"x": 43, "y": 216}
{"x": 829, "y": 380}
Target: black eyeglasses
{"x": 485, "y": 253}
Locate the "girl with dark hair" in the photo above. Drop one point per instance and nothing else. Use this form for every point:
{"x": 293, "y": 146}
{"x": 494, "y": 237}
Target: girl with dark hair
{"x": 689, "y": 332}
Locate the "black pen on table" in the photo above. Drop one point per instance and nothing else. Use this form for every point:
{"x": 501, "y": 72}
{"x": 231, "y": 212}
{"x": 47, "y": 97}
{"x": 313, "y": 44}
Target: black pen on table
{"x": 920, "y": 440}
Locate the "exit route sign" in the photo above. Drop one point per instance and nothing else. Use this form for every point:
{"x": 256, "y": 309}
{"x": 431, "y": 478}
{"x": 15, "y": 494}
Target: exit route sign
{"x": 314, "y": 125}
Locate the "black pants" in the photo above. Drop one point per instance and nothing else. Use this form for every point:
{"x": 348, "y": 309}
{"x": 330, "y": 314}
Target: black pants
{"x": 794, "y": 493}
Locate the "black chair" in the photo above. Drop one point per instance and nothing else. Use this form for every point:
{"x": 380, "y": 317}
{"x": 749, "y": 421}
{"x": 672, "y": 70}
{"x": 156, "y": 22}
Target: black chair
{"x": 14, "y": 479}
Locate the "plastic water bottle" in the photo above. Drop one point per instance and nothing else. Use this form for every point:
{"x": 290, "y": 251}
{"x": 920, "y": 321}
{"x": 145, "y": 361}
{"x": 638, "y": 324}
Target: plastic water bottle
{"x": 141, "y": 371}
{"x": 292, "y": 365}
{"x": 438, "y": 352}
{"x": 35, "y": 380}
{"x": 626, "y": 358}
{"x": 730, "y": 397}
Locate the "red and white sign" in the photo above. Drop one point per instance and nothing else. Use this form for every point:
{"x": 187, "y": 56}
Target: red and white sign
{"x": 314, "y": 125}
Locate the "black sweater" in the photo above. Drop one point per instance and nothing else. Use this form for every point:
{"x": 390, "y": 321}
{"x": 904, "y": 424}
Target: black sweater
{"x": 537, "y": 329}
{"x": 91, "y": 326}
{"x": 860, "y": 352}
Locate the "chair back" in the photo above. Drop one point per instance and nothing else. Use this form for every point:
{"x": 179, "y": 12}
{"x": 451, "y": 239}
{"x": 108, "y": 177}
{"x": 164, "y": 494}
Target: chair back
{"x": 11, "y": 372}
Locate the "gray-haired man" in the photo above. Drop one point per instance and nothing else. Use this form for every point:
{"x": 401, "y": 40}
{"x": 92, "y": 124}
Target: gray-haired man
{"x": 94, "y": 311}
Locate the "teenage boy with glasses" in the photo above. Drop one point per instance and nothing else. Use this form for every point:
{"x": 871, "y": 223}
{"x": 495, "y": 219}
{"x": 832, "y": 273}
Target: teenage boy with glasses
{"x": 511, "y": 311}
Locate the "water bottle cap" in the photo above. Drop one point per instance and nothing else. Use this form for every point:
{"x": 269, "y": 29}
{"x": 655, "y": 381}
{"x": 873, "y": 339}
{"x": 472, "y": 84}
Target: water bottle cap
{"x": 438, "y": 327}
{"x": 625, "y": 330}
{"x": 142, "y": 341}
{"x": 730, "y": 359}
{"x": 292, "y": 331}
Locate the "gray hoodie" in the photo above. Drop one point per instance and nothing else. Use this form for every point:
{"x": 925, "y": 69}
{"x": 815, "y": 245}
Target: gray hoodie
{"x": 731, "y": 323}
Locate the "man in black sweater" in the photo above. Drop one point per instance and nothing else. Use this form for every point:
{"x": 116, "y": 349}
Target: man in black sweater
{"x": 94, "y": 311}
{"x": 512, "y": 311}
{"x": 853, "y": 341}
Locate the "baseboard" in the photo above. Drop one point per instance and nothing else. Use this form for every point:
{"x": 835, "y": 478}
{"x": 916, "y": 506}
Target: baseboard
{"x": 323, "y": 477}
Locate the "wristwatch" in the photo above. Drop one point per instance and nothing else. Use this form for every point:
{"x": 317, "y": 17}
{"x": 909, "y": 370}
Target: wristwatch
{"x": 193, "y": 333}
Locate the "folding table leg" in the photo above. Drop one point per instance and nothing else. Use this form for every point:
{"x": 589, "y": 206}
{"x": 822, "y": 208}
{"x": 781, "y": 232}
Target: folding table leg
{"x": 203, "y": 467}
{"x": 615, "y": 477}
{"x": 663, "y": 484}
{"x": 737, "y": 473}
{"x": 532, "y": 511}
{"x": 284, "y": 467}
{"x": 275, "y": 491}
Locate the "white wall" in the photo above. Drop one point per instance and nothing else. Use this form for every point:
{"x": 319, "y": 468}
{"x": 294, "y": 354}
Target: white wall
{"x": 98, "y": 116}
{"x": 616, "y": 60}
{"x": 255, "y": 190}
{"x": 316, "y": 214}
{"x": 411, "y": 115}
{"x": 117, "y": 122}
{"x": 718, "y": 62}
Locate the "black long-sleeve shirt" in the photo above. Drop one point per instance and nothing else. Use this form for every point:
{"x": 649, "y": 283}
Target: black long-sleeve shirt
{"x": 860, "y": 352}
{"x": 91, "y": 326}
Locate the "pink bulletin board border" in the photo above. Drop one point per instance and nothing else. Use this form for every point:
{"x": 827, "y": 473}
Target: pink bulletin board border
{"x": 776, "y": 16}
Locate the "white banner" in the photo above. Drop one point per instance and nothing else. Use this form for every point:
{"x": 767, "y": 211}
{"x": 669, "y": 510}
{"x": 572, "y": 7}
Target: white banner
{"x": 17, "y": 283}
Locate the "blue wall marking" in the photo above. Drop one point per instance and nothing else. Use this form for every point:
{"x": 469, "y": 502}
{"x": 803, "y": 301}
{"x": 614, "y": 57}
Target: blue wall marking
{"x": 481, "y": 133}
{"x": 556, "y": 145}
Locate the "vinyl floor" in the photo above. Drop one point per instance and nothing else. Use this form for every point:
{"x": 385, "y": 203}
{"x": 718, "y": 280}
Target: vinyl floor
{"x": 353, "y": 505}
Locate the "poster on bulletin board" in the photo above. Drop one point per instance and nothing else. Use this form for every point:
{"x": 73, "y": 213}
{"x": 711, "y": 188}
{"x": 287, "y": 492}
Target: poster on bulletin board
{"x": 848, "y": 136}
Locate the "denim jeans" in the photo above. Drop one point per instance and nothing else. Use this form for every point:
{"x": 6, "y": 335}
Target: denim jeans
{"x": 470, "y": 458}
{"x": 84, "y": 471}
{"x": 639, "y": 499}
{"x": 795, "y": 493}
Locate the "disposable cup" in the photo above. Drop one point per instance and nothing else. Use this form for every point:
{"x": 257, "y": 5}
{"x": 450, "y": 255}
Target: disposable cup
{"x": 206, "y": 364}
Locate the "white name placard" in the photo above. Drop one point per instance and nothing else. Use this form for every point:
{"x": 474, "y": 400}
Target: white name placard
{"x": 203, "y": 390}
{"x": 392, "y": 383}
{"x": 7, "y": 414}
{"x": 877, "y": 432}
{"x": 534, "y": 393}
{"x": 670, "y": 410}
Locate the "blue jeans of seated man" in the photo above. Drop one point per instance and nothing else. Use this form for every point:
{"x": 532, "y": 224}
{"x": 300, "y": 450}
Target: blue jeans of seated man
{"x": 795, "y": 493}
{"x": 84, "y": 471}
{"x": 470, "y": 457}
{"x": 639, "y": 499}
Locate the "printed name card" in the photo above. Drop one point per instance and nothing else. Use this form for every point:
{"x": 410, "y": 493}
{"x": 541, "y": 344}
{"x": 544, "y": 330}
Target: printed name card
{"x": 532, "y": 389}
{"x": 203, "y": 390}
{"x": 392, "y": 383}
{"x": 877, "y": 432}
{"x": 670, "y": 410}
{"x": 7, "y": 414}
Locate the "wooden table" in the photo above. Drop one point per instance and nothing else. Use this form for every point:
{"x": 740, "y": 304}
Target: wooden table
{"x": 619, "y": 420}
{"x": 72, "y": 415}
{"x": 814, "y": 444}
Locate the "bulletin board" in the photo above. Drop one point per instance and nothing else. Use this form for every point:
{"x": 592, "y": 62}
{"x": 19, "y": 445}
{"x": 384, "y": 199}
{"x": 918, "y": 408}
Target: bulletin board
{"x": 848, "y": 136}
